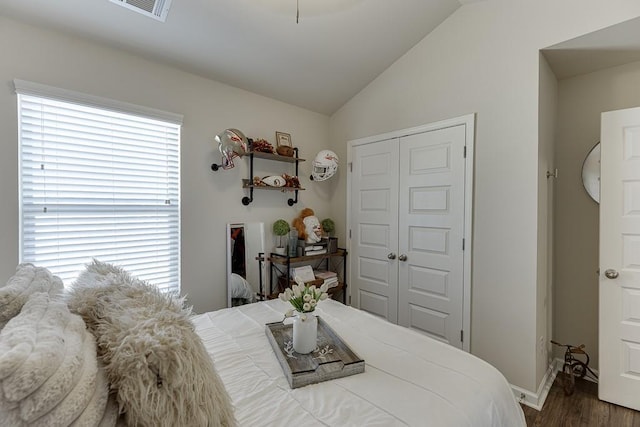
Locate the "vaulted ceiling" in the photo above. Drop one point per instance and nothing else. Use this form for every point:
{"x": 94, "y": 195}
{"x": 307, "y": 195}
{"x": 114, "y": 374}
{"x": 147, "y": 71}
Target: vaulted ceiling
{"x": 334, "y": 50}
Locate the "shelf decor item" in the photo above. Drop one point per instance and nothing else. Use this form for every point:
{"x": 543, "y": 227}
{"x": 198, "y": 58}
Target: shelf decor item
{"x": 293, "y": 243}
{"x": 231, "y": 143}
{"x": 281, "y": 228}
{"x": 283, "y": 139}
{"x": 328, "y": 226}
{"x": 304, "y": 300}
{"x": 325, "y": 165}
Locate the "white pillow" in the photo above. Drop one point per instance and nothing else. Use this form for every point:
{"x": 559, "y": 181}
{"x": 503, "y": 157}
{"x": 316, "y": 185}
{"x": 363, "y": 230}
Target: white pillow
{"x": 27, "y": 280}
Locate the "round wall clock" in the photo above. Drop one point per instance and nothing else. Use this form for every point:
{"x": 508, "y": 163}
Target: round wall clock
{"x": 591, "y": 173}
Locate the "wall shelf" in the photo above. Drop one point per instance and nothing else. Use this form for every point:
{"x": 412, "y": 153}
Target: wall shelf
{"x": 280, "y": 269}
{"x": 248, "y": 183}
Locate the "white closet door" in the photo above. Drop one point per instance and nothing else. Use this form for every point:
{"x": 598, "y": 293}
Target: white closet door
{"x": 374, "y": 229}
{"x": 431, "y": 231}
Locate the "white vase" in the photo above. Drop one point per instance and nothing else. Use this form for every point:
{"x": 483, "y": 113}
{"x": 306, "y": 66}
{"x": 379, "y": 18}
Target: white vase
{"x": 305, "y": 333}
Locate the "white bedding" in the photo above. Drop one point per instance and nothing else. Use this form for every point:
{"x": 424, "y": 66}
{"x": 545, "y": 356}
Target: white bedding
{"x": 409, "y": 378}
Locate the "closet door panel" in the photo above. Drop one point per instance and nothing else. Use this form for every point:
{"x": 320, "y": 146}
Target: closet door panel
{"x": 431, "y": 229}
{"x": 374, "y": 207}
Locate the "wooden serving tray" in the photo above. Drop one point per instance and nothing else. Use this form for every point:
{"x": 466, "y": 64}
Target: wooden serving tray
{"x": 331, "y": 359}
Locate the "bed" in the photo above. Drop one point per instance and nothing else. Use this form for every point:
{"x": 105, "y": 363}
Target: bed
{"x": 409, "y": 379}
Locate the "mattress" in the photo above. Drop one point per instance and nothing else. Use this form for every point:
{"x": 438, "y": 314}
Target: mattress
{"x": 409, "y": 379}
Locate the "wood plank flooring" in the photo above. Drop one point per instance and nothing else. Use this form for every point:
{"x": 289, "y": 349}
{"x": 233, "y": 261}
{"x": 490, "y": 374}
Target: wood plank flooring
{"x": 582, "y": 408}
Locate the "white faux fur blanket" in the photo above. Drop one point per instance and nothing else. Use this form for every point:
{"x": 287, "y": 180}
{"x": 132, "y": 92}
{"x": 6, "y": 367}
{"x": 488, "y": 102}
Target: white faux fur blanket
{"x": 156, "y": 364}
{"x": 49, "y": 374}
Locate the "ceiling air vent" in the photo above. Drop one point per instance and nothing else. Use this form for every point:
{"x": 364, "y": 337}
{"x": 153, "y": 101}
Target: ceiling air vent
{"x": 156, "y": 9}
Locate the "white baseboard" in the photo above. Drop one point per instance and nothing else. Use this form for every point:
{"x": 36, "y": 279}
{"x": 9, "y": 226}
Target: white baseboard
{"x": 536, "y": 400}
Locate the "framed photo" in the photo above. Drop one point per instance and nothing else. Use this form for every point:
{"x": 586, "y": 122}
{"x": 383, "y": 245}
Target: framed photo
{"x": 283, "y": 139}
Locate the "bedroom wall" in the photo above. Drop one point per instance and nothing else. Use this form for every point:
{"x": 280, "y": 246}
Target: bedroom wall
{"x": 581, "y": 100}
{"x": 209, "y": 200}
{"x": 547, "y": 116}
{"x": 485, "y": 59}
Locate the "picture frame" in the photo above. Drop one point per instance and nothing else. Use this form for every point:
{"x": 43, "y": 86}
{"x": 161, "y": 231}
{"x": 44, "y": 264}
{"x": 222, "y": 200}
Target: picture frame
{"x": 283, "y": 139}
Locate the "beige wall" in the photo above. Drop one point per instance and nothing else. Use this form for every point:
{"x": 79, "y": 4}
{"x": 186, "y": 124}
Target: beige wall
{"x": 581, "y": 100}
{"x": 485, "y": 59}
{"x": 209, "y": 200}
{"x": 547, "y": 115}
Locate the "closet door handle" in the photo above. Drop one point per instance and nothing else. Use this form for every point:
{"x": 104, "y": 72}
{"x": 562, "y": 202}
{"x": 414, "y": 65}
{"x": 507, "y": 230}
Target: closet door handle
{"x": 611, "y": 274}
{"x": 391, "y": 255}
{"x": 402, "y": 257}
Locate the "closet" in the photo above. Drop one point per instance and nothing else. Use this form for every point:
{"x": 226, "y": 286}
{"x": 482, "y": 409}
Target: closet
{"x": 410, "y": 227}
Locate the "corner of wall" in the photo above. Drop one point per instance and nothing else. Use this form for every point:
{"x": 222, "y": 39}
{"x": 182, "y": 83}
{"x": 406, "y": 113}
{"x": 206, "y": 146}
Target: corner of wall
{"x": 536, "y": 400}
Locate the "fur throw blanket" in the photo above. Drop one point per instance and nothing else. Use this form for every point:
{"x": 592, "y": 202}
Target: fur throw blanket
{"x": 27, "y": 280}
{"x": 156, "y": 364}
{"x": 49, "y": 372}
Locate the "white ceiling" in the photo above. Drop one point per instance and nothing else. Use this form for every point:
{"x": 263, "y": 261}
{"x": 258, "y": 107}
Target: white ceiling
{"x": 608, "y": 47}
{"x": 336, "y": 49}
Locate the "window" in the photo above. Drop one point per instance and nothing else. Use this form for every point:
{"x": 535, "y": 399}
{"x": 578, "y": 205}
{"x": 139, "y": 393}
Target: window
{"x": 98, "y": 179}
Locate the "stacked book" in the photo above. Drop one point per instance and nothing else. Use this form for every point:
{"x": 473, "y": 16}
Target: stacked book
{"x": 306, "y": 249}
{"x": 330, "y": 277}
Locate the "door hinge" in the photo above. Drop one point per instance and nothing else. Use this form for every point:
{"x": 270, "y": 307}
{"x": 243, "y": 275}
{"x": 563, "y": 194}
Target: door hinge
{"x": 349, "y": 233}
{"x": 350, "y": 166}
{"x": 463, "y": 244}
{"x": 461, "y": 335}
{"x": 349, "y": 299}
{"x": 464, "y": 154}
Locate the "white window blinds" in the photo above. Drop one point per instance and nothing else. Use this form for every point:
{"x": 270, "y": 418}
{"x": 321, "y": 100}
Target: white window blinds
{"x": 95, "y": 183}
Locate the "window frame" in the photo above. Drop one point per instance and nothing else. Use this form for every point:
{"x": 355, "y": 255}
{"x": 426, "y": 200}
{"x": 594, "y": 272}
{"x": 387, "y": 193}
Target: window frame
{"x": 25, "y": 88}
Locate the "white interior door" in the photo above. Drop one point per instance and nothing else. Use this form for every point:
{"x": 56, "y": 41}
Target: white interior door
{"x": 619, "y": 335}
{"x": 431, "y": 232}
{"x": 374, "y": 233}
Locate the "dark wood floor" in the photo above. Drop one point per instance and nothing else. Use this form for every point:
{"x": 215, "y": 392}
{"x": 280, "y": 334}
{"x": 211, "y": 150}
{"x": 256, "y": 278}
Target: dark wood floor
{"x": 582, "y": 408}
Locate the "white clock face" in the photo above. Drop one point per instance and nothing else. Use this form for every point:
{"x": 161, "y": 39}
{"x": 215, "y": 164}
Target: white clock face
{"x": 591, "y": 173}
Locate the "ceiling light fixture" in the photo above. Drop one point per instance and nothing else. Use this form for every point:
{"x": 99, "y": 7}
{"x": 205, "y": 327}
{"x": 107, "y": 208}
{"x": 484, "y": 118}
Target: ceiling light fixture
{"x": 312, "y": 9}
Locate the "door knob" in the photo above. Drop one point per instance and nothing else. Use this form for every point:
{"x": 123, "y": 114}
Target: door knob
{"x": 611, "y": 274}
{"x": 391, "y": 256}
{"x": 402, "y": 257}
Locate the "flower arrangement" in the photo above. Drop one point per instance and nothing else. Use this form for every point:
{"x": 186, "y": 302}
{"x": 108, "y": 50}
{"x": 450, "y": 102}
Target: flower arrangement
{"x": 303, "y": 298}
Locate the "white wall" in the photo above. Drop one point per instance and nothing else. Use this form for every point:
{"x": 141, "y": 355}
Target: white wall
{"x": 485, "y": 59}
{"x": 209, "y": 200}
{"x": 581, "y": 100}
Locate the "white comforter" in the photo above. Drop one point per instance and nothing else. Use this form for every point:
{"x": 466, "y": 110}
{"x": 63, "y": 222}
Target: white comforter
{"x": 409, "y": 379}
